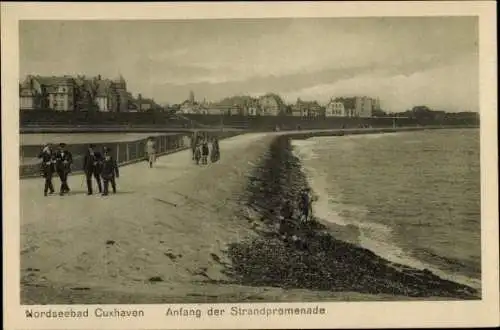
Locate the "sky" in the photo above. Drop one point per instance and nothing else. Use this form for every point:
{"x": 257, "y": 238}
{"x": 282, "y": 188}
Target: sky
{"x": 402, "y": 61}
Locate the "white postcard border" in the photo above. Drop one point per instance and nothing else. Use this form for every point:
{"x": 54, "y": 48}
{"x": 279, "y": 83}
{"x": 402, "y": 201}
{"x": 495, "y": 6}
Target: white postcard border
{"x": 338, "y": 314}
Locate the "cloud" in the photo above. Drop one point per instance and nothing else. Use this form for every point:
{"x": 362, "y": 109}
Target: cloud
{"x": 313, "y": 45}
{"x": 296, "y": 83}
{"x": 450, "y": 87}
{"x": 294, "y": 57}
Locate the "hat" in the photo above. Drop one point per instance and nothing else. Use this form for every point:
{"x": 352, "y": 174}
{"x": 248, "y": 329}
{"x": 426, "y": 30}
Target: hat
{"x": 91, "y": 145}
{"x": 62, "y": 144}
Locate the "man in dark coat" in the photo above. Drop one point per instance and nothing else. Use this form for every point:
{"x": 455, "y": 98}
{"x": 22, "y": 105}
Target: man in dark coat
{"x": 215, "y": 154}
{"x": 64, "y": 160}
{"x": 91, "y": 166}
{"x": 47, "y": 167}
{"x": 109, "y": 171}
{"x": 204, "y": 152}
{"x": 193, "y": 142}
{"x": 197, "y": 154}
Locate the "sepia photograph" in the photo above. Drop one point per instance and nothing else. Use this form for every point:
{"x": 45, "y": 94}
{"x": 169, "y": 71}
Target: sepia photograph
{"x": 245, "y": 160}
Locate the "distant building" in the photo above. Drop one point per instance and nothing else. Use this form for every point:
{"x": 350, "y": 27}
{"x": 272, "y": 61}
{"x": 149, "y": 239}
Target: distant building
{"x": 253, "y": 110}
{"x": 187, "y": 107}
{"x": 145, "y": 104}
{"x": 376, "y": 104}
{"x": 309, "y": 109}
{"x": 56, "y": 93}
{"x": 28, "y": 95}
{"x": 364, "y": 107}
{"x": 271, "y": 105}
{"x": 250, "y": 107}
{"x": 111, "y": 95}
{"x": 74, "y": 93}
{"x": 223, "y": 110}
{"x": 107, "y": 96}
{"x": 335, "y": 109}
{"x": 358, "y": 106}
{"x": 217, "y": 110}
{"x": 243, "y": 105}
{"x": 190, "y": 106}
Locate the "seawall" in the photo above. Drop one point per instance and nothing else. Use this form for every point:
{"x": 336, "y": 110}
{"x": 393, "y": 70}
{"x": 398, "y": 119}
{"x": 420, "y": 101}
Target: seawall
{"x": 290, "y": 254}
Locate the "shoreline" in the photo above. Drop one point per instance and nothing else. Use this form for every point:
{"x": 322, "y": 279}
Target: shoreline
{"x": 352, "y": 232}
{"x": 240, "y": 215}
{"x": 298, "y": 255}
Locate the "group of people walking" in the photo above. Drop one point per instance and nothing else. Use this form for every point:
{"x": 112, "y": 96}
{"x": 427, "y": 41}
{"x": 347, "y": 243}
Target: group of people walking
{"x": 103, "y": 168}
{"x": 55, "y": 161}
{"x": 96, "y": 165}
{"x": 201, "y": 150}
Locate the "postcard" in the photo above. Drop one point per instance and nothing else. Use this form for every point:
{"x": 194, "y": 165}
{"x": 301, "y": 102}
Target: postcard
{"x": 249, "y": 165}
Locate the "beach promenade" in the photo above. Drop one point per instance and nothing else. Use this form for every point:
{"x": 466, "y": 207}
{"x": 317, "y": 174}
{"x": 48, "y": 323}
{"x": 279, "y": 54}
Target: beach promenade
{"x": 162, "y": 238}
{"x": 175, "y": 213}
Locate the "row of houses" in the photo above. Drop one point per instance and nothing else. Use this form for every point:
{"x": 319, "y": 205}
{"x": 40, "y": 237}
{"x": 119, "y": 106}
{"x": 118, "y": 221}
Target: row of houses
{"x": 80, "y": 93}
{"x": 272, "y": 105}
{"x": 267, "y": 105}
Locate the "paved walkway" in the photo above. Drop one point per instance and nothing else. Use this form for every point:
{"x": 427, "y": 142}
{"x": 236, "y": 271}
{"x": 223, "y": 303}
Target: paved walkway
{"x": 165, "y": 221}
{"x": 136, "y": 182}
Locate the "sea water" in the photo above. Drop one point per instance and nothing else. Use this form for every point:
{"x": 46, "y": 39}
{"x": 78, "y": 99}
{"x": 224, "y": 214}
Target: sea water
{"x": 413, "y": 196}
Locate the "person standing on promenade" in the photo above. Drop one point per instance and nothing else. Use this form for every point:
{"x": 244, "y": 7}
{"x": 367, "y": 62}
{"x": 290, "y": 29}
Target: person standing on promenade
{"x": 194, "y": 143}
{"x": 197, "y": 154}
{"x": 151, "y": 151}
{"x": 215, "y": 154}
{"x": 64, "y": 161}
{"x": 109, "y": 171}
{"x": 204, "y": 152}
{"x": 47, "y": 167}
{"x": 91, "y": 166}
